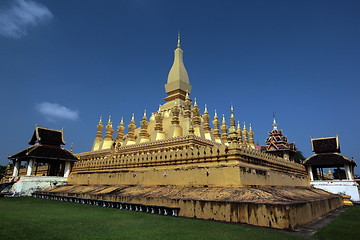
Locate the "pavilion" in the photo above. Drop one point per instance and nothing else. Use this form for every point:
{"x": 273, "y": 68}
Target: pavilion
{"x": 47, "y": 163}
{"x": 339, "y": 178}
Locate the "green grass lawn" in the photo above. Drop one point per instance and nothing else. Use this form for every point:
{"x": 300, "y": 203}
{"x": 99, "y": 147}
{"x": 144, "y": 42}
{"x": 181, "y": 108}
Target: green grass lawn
{"x": 32, "y": 218}
{"x": 346, "y": 226}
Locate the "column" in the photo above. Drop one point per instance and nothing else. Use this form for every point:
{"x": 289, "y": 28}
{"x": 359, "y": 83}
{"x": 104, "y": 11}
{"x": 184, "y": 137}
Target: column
{"x": 67, "y": 168}
{"x": 310, "y": 173}
{"x": 16, "y": 168}
{"x": 348, "y": 173}
{"x": 30, "y": 167}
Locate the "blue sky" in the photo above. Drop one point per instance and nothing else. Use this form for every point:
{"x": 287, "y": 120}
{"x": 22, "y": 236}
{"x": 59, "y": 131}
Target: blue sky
{"x": 63, "y": 64}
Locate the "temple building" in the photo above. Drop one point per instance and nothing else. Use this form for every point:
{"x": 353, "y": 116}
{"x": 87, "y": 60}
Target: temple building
{"x": 278, "y": 144}
{"x": 47, "y": 163}
{"x": 330, "y": 170}
{"x": 180, "y": 161}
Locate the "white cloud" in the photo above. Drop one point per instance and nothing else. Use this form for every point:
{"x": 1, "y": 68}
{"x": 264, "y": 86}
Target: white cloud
{"x": 55, "y": 110}
{"x": 22, "y": 15}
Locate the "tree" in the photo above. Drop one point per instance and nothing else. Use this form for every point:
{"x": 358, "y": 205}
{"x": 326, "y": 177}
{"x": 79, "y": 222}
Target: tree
{"x": 2, "y": 171}
{"x": 299, "y": 157}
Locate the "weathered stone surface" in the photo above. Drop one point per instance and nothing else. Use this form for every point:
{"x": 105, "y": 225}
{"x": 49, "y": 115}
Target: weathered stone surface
{"x": 278, "y": 207}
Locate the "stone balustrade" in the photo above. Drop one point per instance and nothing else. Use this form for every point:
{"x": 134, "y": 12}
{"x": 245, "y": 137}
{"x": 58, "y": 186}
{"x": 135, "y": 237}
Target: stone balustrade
{"x": 116, "y": 161}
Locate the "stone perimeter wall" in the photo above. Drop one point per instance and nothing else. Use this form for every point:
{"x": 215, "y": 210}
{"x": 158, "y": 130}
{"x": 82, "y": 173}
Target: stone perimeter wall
{"x": 281, "y": 216}
{"x": 211, "y": 166}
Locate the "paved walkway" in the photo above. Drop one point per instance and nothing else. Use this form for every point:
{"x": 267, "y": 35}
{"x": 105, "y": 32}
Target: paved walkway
{"x": 311, "y": 228}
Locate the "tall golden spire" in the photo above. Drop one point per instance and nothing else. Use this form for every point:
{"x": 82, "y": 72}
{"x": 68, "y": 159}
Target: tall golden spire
{"x": 178, "y": 80}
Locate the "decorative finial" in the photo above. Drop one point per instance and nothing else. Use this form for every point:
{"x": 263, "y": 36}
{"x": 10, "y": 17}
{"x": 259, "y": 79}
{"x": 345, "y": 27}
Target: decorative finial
{"x": 132, "y": 118}
{"x": 122, "y": 120}
{"x": 223, "y": 119}
{"x": 205, "y": 109}
{"x": 274, "y": 124}
{"x": 100, "y": 121}
{"x": 215, "y": 115}
{"x": 144, "y": 117}
{"x": 159, "y": 108}
{"x": 195, "y": 104}
{"x": 178, "y": 43}
{"x": 109, "y": 119}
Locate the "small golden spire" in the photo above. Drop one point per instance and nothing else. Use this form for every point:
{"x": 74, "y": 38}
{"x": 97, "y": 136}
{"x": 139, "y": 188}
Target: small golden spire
{"x": 251, "y": 137}
{"x": 196, "y": 114}
{"x": 232, "y": 119}
{"x": 239, "y": 132}
{"x": 216, "y": 124}
{"x": 224, "y": 130}
{"x": 99, "y": 129}
{"x": 206, "y": 119}
{"x": 191, "y": 128}
{"x": 120, "y": 131}
{"x": 131, "y": 129}
{"x": 109, "y": 130}
{"x": 144, "y": 135}
{"x": 144, "y": 117}
{"x": 233, "y": 136}
{"x": 187, "y": 106}
{"x": 245, "y": 134}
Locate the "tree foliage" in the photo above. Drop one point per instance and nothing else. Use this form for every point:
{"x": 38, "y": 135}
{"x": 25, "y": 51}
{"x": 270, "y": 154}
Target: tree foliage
{"x": 299, "y": 157}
